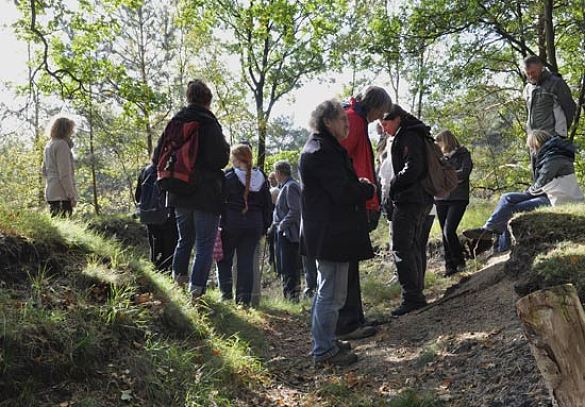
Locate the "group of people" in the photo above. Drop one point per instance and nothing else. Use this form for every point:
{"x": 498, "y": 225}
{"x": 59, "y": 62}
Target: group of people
{"x": 327, "y": 216}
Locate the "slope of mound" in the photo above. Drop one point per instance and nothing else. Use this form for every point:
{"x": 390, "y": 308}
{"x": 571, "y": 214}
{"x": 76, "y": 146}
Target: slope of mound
{"x": 85, "y": 323}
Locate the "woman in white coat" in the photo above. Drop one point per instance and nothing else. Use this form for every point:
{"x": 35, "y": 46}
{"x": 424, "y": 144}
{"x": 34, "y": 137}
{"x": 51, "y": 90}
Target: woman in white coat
{"x": 58, "y": 168}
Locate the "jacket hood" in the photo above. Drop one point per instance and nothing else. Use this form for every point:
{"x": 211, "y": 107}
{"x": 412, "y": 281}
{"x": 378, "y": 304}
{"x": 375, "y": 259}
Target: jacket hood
{"x": 195, "y": 112}
{"x": 556, "y": 146}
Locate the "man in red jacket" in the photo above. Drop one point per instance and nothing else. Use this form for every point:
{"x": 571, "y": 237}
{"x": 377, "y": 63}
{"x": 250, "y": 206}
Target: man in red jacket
{"x": 368, "y": 106}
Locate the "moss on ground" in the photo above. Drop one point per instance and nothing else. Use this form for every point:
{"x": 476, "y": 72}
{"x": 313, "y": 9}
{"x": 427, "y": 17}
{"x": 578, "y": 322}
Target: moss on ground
{"x": 549, "y": 250}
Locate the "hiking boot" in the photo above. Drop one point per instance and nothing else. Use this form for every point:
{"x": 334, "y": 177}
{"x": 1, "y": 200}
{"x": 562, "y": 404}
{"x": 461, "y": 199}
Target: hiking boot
{"x": 479, "y": 234}
{"x": 407, "y": 307}
{"x": 361, "y": 332}
{"x": 343, "y": 345}
{"x": 341, "y": 359}
{"x": 454, "y": 270}
{"x": 308, "y": 293}
{"x": 181, "y": 279}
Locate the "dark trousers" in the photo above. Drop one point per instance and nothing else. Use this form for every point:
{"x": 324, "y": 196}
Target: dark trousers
{"x": 62, "y": 209}
{"x": 450, "y": 214}
{"x": 426, "y": 231}
{"x": 407, "y": 241}
{"x": 162, "y": 240}
{"x": 288, "y": 264}
{"x": 310, "y": 271}
{"x": 351, "y": 316}
{"x": 271, "y": 243}
{"x": 243, "y": 242}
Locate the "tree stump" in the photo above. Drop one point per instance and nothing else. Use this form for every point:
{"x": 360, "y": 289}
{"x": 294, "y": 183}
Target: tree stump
{"x": 554, "y": 324}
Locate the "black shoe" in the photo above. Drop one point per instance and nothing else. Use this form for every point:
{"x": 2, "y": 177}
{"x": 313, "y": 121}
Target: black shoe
{"x": 479, "y": 234}
{"x": 341, "y": 359}
{"x": 407, "y": 307}
{"x": 361, "y": 332}
{"x": 343, "y": 345}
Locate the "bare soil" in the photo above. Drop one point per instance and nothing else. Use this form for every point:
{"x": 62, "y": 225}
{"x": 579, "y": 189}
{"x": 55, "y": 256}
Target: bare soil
{"x": 467, "y": 349}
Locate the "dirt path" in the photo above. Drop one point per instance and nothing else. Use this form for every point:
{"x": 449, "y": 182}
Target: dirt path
{"x": 467, "y": 349}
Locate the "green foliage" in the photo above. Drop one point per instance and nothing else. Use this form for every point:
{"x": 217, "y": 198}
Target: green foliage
{"x": 291, "y": 156}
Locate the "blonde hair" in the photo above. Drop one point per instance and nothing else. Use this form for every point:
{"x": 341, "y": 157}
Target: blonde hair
{"x": 61, "y": 128}
{"x": 448, "y": 139}
{"x": 536, "y": 138}
{"x": 244, "y": 154}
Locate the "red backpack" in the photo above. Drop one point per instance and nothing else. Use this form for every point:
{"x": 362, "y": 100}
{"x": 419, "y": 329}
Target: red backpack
{"x": 177, "y": 157}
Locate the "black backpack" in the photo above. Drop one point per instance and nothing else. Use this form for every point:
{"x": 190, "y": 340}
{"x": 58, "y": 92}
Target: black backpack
{"x": 151, "y": 209}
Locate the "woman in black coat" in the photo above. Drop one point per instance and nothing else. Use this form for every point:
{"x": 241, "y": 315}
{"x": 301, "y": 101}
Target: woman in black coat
{"x": 334, "y": 227}
{"x": 450, "y": 209}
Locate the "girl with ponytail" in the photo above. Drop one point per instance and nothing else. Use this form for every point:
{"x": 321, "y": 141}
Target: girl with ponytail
{"x": 246, "y": 216}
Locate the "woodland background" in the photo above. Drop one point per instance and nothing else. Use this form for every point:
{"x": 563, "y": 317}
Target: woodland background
{"x": 121, "y": 66}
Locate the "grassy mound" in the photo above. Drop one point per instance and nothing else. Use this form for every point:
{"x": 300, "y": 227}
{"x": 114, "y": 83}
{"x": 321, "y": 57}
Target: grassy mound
{"x": 550, "y": 249}
{"x": 84, "y": 322}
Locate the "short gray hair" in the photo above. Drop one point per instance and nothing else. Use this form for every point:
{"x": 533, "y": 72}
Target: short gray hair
{"x": 283, "y": 167}
{"x": 374, "y": 97}
{"x": 328, "y": 110}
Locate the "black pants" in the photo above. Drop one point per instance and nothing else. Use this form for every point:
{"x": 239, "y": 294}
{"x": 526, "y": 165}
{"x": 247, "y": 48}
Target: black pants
{"x": 242, "y": 242}
{"x": 62, "y": 209}
{"x": 450, "y": 214}
{"x": 407, "y": 241}
{"x": 162, "y": 240}
{"x": 351, "y": 316}
{"x": 288, "y": 264}
{"x": 426, "y": 231}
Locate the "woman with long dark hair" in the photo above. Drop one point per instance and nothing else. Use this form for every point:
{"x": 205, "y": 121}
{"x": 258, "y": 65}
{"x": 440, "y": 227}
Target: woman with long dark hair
{"x": 247, "y": 215}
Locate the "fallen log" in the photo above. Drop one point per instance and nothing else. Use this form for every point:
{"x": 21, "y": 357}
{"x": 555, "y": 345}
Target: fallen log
{"x": 554, "y": 324}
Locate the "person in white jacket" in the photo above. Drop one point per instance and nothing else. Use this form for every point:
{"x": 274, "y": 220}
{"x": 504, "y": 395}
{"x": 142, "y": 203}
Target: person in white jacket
{"x": 58, "y": 168}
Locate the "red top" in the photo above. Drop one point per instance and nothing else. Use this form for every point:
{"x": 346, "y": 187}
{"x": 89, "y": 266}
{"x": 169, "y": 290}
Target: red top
{"x": 359, "y": 148}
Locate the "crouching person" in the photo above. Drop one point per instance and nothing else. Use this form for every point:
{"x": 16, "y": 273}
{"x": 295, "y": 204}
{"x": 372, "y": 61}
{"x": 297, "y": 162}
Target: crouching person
{"x": 334, "y": 227}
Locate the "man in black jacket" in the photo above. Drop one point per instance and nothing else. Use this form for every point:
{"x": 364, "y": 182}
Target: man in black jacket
{"x": 411, "y": 204}
{"x": 197, "y": 211}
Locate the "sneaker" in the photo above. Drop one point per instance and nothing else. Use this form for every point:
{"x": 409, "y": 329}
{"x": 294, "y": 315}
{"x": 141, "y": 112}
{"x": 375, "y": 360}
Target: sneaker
{"x": 363, "y": 331}
{"x": 479, "y": 234}
{"x": 181, "y": 279}
{"x": 341, "y": 359}
{"x": 343, "y": 345}
{"x": 407, "y": 307}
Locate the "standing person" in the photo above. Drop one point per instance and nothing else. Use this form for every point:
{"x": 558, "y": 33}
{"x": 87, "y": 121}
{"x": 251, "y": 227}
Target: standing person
{"x": 159, "y": 220}
{"x": 548, "y": 99}
{"x": 59, "y": 170}
{"x": 247, "y": 215}
{"x": 450, "y": 209}
{"x": 334, "y": 226}
{"x": 270, "y": 235}
{"x": 287, "y": 226}
{"x": 197, "y": 210}
{"x": 410, "y": 204}
{"x": 367, "y": 107}
{"x": 554, "y": 184}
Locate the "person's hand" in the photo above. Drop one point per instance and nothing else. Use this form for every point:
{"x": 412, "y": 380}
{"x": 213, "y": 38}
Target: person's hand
{"x": 365, "y": 180}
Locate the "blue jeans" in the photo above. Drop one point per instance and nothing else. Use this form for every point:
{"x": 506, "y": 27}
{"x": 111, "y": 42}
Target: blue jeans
{"x": 195, "y": 228}
{"x": 330, "y": 297}
{"x": 511, "y": 203}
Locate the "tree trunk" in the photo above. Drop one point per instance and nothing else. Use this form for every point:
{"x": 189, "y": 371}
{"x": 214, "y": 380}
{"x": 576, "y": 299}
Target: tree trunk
{"x": 92, "y": 153}
{"x": 554, "y": 324}
{"x": 541, "y": 35}
{"x": 549, "y": 34}
{"x": 580, "y": 106}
